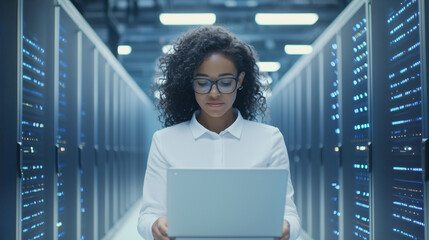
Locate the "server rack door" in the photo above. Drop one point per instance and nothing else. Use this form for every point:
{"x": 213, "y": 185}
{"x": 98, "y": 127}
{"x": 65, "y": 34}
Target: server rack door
{"x": 299, "y": 188}
{"x": 66, "y": 136}
{"x": 142, "y": 144}
{"x": 322, "y": 146}
{"x": 132, "y": 128}
{"x": 397, "y": 186}
{"x": 307, "y": 134}
{"x": 303, "y": 153}
{"x": 38, "y": 212}
{"x": 424, "y": 21}
{"x": 284, "y": 111}
{"x": 131, "y": 161}
{"x": 86, "y": 141}
{"x": 127, "y": 175}
{"x": 306, "y": 151}
{"x": 292, "y": 130}
{"x": 315, "y": 166}
{"x": 331, "y": 140}
{"x": 122, "y": 150}
{"x": 116, "y": 156}
{"x": 355, "y": 127}
{"x": 100, "y": 143}
{"x": 11, "y": 140}
{"x": 109, "y": 146}
{"x": 95, "y": 131}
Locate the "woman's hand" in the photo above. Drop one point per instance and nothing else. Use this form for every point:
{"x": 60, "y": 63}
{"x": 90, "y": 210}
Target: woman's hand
{"x": 160, "y": 228}
{"x": 286, "y": 231}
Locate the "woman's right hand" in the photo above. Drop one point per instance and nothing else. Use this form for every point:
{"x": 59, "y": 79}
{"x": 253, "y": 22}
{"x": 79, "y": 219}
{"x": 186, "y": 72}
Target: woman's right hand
{"x": 160, "y": 228}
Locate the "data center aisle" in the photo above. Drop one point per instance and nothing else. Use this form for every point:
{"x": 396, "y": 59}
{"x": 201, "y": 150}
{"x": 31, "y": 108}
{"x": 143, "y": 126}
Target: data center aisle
{"x": 127, "y": 227}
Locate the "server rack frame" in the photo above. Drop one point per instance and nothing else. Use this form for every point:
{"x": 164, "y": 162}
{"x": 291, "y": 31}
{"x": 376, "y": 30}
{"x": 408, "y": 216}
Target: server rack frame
{"x": 307, "y": 146}
{"x": 298, "y": 157}
{"x": 380, "y": 178}
{"x": 331, "y": 151}
{"x": 424, "y": 36}
{"x": 347, "y": 117}
{"x": 96, "y": 193}
{"x": 11, "y": 105}
{"x": 315, "y": 152}
{"x": 100, "y": 145}
{"x": 86, "y": 142}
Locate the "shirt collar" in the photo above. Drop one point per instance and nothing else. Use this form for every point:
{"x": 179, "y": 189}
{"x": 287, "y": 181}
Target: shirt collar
{"x": 235, "y": 129}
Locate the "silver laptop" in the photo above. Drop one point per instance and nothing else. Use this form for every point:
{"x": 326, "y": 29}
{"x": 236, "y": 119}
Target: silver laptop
{"x": 226, "y": 203}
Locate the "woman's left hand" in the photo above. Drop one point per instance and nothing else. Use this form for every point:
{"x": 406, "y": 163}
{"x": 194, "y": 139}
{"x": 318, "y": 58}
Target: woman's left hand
{"x": 286, "y": 231}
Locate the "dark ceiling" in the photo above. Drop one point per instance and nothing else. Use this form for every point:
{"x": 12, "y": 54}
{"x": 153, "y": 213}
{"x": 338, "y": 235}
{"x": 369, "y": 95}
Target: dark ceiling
{"x": 136, "y": 23}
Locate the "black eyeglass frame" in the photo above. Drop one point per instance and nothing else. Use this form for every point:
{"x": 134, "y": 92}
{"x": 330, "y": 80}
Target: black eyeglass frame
{"x": 215, "y": 83}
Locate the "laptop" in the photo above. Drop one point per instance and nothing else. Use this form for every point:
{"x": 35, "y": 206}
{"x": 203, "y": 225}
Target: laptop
{"x": 226, "y": 203}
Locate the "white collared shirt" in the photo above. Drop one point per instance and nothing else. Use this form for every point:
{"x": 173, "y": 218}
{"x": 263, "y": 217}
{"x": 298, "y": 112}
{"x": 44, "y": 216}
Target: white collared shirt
{"x": 244, "y": 144}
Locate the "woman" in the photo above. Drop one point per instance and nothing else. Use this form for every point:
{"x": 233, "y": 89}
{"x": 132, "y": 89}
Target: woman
{"x": 209, "y": 94}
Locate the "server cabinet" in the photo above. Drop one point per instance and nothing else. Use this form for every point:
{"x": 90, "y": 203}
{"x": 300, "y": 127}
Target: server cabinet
{"x": 109, "y": 147}
{"x": 10, "y": 92}
{"x": 292, "y": 130}
{"x": 284, "y": 115}
{"x": 355, "y": 193}
{"x": 397, "y": 205}
{"x": 308, "y": 133}
{"x": 116, "y": 151}
{"x": 133, "y": 168}
{"x": 298, "y": 147}
{"x": 66, "y": 123}
{"x": 86, "y": 138}
{"x": 303, "y": 152}
{"x": 315, "y": 143}
{"x": 424, "y": 21}
{"x": 100, "y": 143}
{"x": 122, "y": 152}
{"x": 331, "y": 140}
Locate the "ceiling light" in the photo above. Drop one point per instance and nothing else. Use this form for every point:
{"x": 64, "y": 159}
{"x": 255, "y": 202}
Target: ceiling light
{"x": 268, "y": 66}
{"x": 286, "y": 18}
{"x": 298, "y": 49}
{"x": 187, "y": 18}
{"x": 124, "y": 49}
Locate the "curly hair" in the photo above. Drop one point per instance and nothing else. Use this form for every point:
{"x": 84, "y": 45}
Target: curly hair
{"x": 177, "y": 98}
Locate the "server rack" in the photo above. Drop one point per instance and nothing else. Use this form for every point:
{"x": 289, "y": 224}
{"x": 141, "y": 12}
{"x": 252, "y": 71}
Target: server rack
{"x": 298, "y": 161}
{"x": 307, "y": 115}
{"x": 314, "y": 144}
{"x": 10, "y": 103}
{"x": 396, "y": 154}
{"x": 86, "y": 140}
{"x": 292, "y": 130}
{"x": 109, "y": 151}
{"x": 100, "y": 143}
{"x": 98, "y": 169}
{"x": 355, "y": 134}
{"x": 424, "y": 19}
{"x": 66, "y": 110}
{"x": 283, "y": 115}
{"x": 331, "y": 156}
{"x": 36, "y": 90}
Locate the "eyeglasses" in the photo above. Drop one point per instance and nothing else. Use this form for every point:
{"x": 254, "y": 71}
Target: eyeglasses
{"x": 224, "y": 85}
